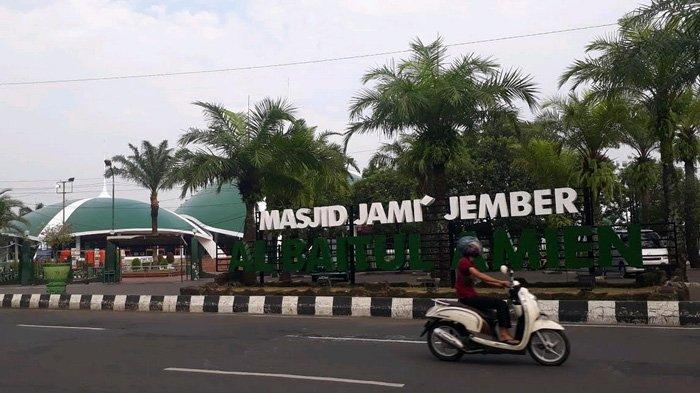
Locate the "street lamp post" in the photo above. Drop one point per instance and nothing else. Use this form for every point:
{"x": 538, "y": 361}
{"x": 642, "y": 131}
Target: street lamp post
{"x": 108, "y": 164}
{"x": 61, "y": 189}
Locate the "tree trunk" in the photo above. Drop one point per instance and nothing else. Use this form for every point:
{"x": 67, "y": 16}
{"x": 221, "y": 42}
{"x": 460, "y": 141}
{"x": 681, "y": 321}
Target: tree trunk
{"x": 249, "y": 228}
{"x": 668, "y": 171}
{"x": 154, "y": 213}
{"x": 439, "y": 235}
{"x": 690, "y": 213}
{"x": 644, "y": 206}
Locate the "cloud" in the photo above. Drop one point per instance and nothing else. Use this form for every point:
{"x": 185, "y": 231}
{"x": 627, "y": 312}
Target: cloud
{"x": 66, "y": 130}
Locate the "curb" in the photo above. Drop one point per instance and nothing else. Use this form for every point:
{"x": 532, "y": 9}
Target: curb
{"x": 661, "y": 313}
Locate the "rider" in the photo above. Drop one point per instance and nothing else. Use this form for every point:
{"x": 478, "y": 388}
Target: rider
{"x": 464, "y": 286}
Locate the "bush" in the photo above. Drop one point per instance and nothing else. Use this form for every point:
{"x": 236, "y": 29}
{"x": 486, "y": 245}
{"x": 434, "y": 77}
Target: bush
{"x": 162, "y": 261}
{"x": 136, "y": 264}
{"x": 651, "y": 278}
{"x": 170, "y": 258}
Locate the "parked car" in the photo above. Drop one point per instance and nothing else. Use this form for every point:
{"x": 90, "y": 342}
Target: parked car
{"x": 654, "y": 254}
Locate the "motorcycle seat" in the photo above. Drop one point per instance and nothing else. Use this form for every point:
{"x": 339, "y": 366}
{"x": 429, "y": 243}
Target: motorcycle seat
{"x": 488, "y": 316}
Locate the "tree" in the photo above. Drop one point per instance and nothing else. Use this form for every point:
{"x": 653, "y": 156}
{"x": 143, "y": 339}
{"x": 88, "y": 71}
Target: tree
{"x": 326, "y": 184}
{"x": 654, "y": 62}
{"x": 10, "y": 219}
{"x": 590, "y": 127}
{"x": 683, "y": 14}
{"x": 687, "y": 120}
{"x": 436, "y": 102}
{"x": 641, "y": 173}
{"x": 383, "y": 185}
{"x": 265, "y": 154}
{"x": 57, "y": 237}
{"x": 151, "y": 167}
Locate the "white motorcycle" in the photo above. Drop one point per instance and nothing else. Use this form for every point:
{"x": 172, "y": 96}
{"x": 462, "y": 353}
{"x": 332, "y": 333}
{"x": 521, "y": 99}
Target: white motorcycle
{"x": 454, "y": 329}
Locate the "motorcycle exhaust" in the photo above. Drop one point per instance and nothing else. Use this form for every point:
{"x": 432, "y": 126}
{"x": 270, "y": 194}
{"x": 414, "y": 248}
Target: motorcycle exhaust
{"x": 448, "y": 338}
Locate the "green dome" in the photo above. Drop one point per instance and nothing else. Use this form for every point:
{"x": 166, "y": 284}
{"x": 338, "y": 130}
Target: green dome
{"x": 94, "y": 216}
{"x": 223, "y": 211}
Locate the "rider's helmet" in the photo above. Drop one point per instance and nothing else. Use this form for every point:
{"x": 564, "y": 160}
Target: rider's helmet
{"x": 469, "y": 246}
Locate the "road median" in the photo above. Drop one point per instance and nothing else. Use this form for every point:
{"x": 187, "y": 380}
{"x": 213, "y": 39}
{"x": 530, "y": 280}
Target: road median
{"x": 660, "y": 313}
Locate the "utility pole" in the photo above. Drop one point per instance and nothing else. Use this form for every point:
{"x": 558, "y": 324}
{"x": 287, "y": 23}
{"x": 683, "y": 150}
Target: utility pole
{"x": 108, "y": 164}
{"x": 61, "y": 189}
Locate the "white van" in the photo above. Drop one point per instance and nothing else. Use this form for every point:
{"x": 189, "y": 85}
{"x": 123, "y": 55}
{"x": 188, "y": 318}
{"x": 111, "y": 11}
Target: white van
{"x": 654, "y": 253}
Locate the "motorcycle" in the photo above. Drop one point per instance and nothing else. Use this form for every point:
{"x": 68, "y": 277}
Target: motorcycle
{"x": 454, "y": 329}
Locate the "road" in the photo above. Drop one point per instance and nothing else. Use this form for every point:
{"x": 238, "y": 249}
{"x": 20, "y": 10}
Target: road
{"x": 79, "y": 351}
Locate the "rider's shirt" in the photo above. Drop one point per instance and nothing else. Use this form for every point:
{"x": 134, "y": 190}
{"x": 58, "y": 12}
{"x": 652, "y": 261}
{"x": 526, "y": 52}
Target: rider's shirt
{"x": 464, "y": 282}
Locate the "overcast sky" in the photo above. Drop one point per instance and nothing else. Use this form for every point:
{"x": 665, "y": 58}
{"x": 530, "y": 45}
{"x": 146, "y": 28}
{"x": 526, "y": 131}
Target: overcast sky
{"x": 55, "y": 131}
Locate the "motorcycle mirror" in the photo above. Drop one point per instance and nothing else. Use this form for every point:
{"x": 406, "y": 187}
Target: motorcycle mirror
{"x": 504, "y": 269}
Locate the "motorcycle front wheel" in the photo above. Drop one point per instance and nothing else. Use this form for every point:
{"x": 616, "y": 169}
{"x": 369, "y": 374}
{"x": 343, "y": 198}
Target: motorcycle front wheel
{"x": 549, "y": 347}
{"x": 443, "y": 350}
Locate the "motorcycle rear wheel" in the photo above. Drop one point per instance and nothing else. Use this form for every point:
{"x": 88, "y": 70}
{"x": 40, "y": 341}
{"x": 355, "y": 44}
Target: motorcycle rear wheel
{"x": 549, "y": 347}
{"x": 441, "y": 350}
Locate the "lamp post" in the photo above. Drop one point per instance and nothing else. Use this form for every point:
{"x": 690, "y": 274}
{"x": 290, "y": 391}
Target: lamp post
{"x": 108, "y": 164}
{"x": 61, "y": 189}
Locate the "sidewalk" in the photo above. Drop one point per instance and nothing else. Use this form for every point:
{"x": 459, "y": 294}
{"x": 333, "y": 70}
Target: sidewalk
{"x": 129, "y": 286}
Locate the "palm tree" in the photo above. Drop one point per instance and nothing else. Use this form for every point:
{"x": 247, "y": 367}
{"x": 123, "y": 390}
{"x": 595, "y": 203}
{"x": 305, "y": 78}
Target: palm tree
{"x": 436, "y": 102}
{"x": 639, "y": 135}
{"x": 684, "y": 14}
{"x": 10, "y": 219}
{"x": 265, "y": 154}
{"x": 151, "y": 167}
{"x": 688, "y": 151}
{"x": 590, "y": 127}
{"x": 651, "y": 61}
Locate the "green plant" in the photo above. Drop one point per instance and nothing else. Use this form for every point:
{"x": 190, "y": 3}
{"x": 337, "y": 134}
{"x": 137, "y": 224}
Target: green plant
{"x": 57, "y": 237}
{"x": 151, "y": 167}
{"x": 651, "y": 278}
{"x": 9, "y": 219}
{"x": 436, "y": 102}
{"x": 654, "y": 60}
{"x": 170, "y": 258}
{"x": 136, "y": 264}
{"x": 162, "y": 261}
{"x": 268, "y": 153}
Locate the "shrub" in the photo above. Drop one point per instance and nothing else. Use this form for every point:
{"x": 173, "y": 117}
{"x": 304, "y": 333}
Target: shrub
{"x": 136, "y": 264}
{"x": 651, "y": 278}
{"x": 170, "y": 258}
{"x": 162, "y": 261}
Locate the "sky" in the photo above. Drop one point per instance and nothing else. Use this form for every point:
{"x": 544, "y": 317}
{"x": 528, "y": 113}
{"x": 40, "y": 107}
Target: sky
{"x": 62, "y": 130}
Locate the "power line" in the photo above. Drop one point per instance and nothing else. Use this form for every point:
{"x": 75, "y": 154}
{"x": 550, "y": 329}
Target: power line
{"x": 293, "y": 63}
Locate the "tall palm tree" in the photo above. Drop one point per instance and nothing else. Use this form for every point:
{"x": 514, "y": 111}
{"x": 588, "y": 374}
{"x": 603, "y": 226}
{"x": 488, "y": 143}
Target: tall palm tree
{"x": 151, "y": 167}
{"x": 264, "y": 154}
{"x": 10, "y": 219}
{"x": 688, "y": 151}
{"x": 436, "y": 102}
{"x": 639, "y": 135}
{"x": 655, "y": 63}
{"x": 590, "y": 127}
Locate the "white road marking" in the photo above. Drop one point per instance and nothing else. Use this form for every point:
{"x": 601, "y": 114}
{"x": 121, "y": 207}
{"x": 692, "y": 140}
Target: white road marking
{"x": 592, "y": 325}
{"x": 61, "y": 327}
{"x": 380, "y": 340}
{"x": 287, "y": 376}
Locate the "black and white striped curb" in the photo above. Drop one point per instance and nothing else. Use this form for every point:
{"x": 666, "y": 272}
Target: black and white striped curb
{"x": 667, "y": 313}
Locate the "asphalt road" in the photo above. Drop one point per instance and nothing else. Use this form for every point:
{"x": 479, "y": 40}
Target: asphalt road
{"x": 130, "y": 352}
